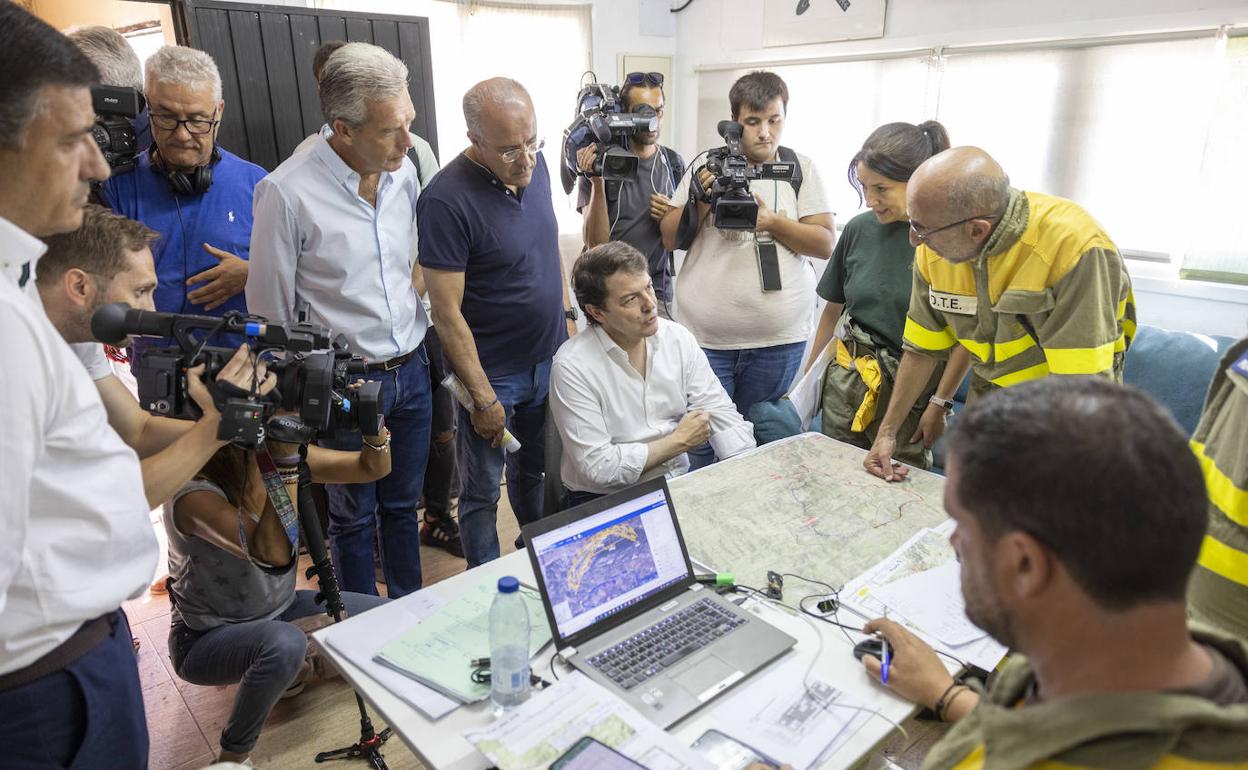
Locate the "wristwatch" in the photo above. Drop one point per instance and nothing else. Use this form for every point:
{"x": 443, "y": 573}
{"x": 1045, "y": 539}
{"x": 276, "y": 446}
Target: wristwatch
{"x": 943, "y": 403}
{"x": 571, "y": 314}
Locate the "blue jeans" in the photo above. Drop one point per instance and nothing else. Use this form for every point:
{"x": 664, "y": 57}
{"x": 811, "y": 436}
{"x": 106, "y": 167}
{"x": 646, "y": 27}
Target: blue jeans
{"x": 523, "y": 396}
{"x": 87, "y": 715}
{"x": 750, "y": 376}
{"x": 261, "y": 656}
{"x": 356, "y": 509}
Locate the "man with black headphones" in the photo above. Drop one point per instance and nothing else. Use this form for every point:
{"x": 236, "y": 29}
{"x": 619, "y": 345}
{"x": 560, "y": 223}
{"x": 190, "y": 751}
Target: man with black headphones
{"x": 194, "y": 193}
{"x": 630, "y": 210}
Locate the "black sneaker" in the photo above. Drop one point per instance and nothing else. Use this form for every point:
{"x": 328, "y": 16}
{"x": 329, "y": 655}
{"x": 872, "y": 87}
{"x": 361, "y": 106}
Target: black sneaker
{"x": 444, "y": 534}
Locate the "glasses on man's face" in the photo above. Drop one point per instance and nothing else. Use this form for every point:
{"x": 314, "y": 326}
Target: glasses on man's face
{"x": 193, "y": 125}
{"x": 922, "y": 234}
{"x": 644, "y": 78}
{"x": 530, "y": 148}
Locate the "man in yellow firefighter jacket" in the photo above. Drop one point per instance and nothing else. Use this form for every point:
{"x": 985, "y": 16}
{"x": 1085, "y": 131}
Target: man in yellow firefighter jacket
{"x": 1028, "y": 283}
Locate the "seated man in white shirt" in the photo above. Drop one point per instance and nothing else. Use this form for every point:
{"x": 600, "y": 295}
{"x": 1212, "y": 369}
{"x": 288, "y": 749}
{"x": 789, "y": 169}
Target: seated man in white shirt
{"x": 635, "y": 392}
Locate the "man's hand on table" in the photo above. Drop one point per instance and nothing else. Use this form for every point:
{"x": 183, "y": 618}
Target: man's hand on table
{"x": 914, "y": 671}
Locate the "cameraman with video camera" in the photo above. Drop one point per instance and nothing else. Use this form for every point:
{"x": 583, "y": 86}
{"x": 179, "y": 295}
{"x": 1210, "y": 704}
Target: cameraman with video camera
{"x": 119, "y": 68}
{"x": 746, "y": 289}
{"x": 232, "y": 579}
{"x": 630, "y": 210}
{"x": 108, "y": 259}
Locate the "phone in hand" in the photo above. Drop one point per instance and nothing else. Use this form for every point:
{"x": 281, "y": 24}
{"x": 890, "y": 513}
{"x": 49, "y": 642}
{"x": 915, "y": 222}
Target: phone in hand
{"x": 728, "y": 753}
{"x": 591, "y": 754}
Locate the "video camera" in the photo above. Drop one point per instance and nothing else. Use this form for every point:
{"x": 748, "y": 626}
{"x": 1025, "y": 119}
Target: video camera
{"x": 601, "y": 120}
{"x": 313, "y": 384}
{"x": 115, "y": 107}
{"x": 729, "y": 194}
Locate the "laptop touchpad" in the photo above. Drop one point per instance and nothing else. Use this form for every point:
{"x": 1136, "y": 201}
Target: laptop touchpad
{"x": 707, "y": 678}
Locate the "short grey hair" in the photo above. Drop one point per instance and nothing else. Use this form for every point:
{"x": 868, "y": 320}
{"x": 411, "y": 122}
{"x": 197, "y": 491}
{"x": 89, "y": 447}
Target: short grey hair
{"x": 112, "y": 55}
{"x": 492, "y": 91}
{"x": 178, "y": 65}
{"x": 356, "y": 74}
{"x": 979, "y": 194}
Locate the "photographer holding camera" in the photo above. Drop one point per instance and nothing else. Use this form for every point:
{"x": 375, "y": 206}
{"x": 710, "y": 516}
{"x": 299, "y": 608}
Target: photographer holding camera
{"x": 232, "y": 567}
{"x": 120, "y": 67}
{"x": 748, "y": 294}
{"x": 630, "y": 210}
{"x": 108, "y": 259}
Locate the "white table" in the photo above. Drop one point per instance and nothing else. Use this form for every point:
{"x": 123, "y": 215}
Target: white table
{"x": 440, "y": 744}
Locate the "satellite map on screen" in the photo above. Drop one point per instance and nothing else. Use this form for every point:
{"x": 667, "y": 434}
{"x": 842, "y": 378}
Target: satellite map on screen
{"x": 587, "y": 572}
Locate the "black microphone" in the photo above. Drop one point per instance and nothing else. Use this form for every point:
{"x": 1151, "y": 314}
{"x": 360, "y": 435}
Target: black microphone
{"x": 112, "y": 323}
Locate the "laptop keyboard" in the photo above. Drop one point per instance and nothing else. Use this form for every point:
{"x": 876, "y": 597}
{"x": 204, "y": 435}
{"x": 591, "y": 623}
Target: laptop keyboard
{"x": 665, "y": 643}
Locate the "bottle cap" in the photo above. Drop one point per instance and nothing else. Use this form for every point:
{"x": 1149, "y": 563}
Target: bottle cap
{"x": 508, "y": 585}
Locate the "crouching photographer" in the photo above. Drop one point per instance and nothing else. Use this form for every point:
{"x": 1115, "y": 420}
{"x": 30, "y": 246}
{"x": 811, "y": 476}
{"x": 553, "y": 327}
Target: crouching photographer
{"x": 108, "y": 259}
{"x": 232, "y": 577}
{"x": 746, "y": 287}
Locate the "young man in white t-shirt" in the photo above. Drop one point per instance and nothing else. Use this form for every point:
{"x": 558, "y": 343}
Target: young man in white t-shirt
{"x": 754, "y": 337}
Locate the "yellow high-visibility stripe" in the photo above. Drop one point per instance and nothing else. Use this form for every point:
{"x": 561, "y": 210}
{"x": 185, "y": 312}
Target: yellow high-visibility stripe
{"x": 981, "y": 350}
{"x": 1012, "y": 348}
{"x": 1120, "y": 344}
{"x": 1220, "y": 558}
{"x": 1122, "y": 308}
{"x": 1128, "y": 328}
{"x": 1080, "y": 360}
{"x": 1167, "y": 762}
{"x": 1223, "y": 492}
{"x": 972, "y": 761}
{"x": 1022, "y": 375}
{"x": 922, "y": 337}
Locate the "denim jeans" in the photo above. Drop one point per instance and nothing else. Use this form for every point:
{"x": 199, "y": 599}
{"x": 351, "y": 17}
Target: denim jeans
{"x": 750, "y": 376}
{"x": 441, "y": 468}
{"x": 523, "y": 396}
{"x": 261, "y": 656}
{"x": 87, "y": 715}
{"x": 357, "y": 511}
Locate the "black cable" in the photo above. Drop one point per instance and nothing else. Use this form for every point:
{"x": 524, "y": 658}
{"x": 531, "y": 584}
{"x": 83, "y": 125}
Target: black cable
{"x": 683, "y": 7}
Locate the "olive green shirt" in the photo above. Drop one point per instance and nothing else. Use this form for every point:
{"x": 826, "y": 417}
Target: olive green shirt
{"x": 869, "y": 274}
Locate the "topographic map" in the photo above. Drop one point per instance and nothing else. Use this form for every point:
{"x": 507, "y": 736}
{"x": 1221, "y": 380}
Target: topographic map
{"x": 802, "y": 505}
{"x": 588, "y": 571}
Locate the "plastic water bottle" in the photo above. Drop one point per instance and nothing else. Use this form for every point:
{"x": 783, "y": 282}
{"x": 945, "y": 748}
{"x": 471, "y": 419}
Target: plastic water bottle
{"x": 509, "y": 646}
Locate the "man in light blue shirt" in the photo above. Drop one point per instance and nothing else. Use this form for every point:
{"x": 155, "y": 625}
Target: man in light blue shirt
{"x": 334, "y": 230}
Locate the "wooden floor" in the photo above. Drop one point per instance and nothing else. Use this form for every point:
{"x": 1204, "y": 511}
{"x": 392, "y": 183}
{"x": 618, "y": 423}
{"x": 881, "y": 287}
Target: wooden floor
{"x": 184, "y": 720}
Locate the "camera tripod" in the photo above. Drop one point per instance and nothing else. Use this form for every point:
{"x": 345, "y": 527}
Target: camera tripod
{"x": 368, "y": 747}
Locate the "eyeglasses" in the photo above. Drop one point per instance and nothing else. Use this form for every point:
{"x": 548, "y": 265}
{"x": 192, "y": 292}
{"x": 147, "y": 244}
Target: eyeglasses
{"x": 193, "y": 125}
{"x": 533, "y": 148}
{"x": 921, "y": 234}
{"x": 644, "y": 78}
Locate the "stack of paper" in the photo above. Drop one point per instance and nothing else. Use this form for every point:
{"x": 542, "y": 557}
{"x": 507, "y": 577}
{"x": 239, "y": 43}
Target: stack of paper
{"x": 539, "y": 731}
{"x": 440, "y": 649}
{"x": 919, "y": 586}
{"x": 791, "y": 720}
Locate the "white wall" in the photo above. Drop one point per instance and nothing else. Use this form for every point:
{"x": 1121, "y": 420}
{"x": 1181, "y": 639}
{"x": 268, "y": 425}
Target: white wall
{"x": 723, "y": 32}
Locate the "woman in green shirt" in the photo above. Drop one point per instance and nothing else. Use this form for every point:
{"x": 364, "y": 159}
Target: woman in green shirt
{"x": 868, "y": 280}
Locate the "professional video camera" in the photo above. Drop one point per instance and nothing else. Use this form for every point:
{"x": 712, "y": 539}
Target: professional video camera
{"x": 312, "y": 384}
{"x": 115, "y": 107}
{"x": 729, "y": 194}
{"x": 601, "y": 119}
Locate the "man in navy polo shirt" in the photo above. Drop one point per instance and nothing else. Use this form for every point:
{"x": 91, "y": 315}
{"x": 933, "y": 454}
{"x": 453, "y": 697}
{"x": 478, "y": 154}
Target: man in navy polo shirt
{"x": 194, "y": 193}
{"x": 489, "y": 248}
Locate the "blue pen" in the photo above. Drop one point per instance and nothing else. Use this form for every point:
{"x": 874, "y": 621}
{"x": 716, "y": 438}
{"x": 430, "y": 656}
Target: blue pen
{"x": 887, "y": 659}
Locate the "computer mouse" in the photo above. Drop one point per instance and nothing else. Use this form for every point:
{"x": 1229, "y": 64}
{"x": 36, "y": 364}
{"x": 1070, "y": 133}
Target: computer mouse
{"x": 872, "y": 645}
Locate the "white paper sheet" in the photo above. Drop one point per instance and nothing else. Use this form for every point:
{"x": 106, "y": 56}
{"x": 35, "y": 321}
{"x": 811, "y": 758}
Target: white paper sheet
{"x": 927, "y": 550}
{"x": 543, "y": 728}
{"x": 360, "y": 640}
{"x": 932, "y": 600}
{"x": 778, "y": 715}
{"x": 806, "y": 395}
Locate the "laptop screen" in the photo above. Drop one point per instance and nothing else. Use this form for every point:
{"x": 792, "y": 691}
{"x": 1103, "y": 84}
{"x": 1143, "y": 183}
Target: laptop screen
{"x": 597, "y": 566}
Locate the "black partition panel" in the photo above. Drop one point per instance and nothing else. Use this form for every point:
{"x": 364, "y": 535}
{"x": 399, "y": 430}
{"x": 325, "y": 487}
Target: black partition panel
{"x": 265, "y": 52}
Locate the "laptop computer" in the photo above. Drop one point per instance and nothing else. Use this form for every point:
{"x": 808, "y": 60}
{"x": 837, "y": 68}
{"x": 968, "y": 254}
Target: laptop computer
{"x": 625, "y": 610}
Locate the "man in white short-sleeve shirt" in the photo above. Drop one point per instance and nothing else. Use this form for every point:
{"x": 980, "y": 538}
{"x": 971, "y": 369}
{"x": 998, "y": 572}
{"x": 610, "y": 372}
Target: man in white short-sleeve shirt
{"x": 634, "y": 392}
{"x": 752, "y": 326}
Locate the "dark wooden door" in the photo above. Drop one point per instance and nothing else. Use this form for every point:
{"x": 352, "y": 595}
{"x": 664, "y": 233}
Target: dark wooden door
{"x": 265, "y": 52}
